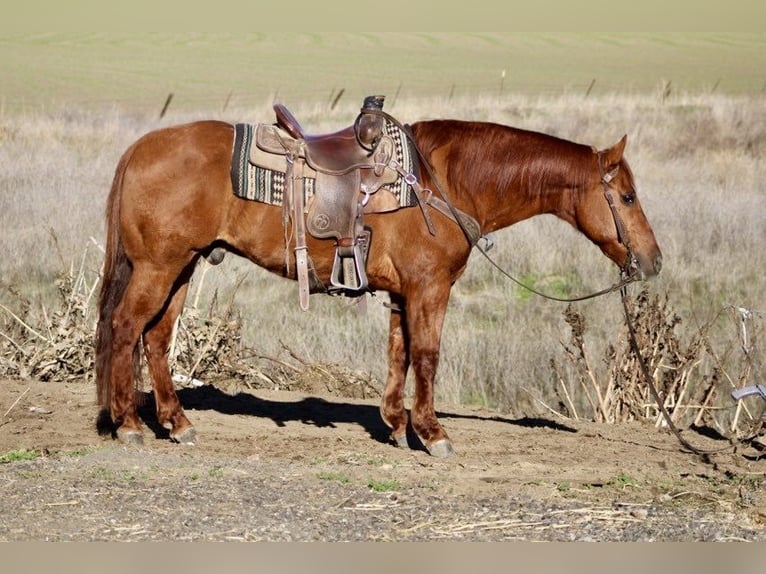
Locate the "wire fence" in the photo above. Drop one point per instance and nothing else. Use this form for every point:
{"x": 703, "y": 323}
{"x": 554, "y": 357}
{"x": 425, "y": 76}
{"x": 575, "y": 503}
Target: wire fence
{"x": 351, "y": 94}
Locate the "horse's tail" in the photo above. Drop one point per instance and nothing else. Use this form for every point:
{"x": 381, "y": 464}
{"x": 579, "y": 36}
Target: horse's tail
{"x": 114, "y": 280}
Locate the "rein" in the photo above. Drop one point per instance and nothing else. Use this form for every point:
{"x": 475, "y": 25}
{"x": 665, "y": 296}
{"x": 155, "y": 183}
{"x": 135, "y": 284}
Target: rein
{"x": 629, "y": 274}
{"x": 649, "y": 380}
{"x": 631, "y": 263}
{"x": 627, "y": 280}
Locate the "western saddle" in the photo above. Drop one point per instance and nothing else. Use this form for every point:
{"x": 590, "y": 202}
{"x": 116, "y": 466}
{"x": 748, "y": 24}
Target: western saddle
{"x": 350, "y": 169}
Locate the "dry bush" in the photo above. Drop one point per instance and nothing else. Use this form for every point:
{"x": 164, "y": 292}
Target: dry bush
{"x": 693, "y": 376}
{"x": 58, "y": 345}
{"x": 51, "y": 344}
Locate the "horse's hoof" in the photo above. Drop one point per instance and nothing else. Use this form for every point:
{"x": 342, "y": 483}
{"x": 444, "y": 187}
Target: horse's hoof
{"x": 187, "y": 436}
{"x": 441, "y": 449}
{"x": 401, "y": 440}
{"x": 131, "y": 437}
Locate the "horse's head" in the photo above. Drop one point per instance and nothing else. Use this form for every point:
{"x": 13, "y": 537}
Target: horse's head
{"x": 610, "y": 214}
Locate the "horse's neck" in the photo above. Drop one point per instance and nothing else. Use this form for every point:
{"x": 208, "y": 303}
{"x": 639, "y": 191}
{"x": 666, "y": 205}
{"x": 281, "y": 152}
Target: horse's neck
{"x": 520, "y": 190}
{"x": 503, "y": 175}
{"x": 522, "y": 202}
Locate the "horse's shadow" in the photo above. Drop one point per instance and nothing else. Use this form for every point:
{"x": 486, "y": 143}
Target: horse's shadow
{"x": 314, "y": 411}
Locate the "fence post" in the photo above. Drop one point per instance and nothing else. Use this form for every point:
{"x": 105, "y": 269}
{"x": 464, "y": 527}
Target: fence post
{"x": 396, "y": 95}
{"x": 167, "y": 105}
{"x": 590, "y": 87}
{"x": 337, "y": 97}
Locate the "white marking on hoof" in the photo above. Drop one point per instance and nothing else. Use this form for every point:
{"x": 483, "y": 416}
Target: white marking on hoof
{"x": 188, "y": 437}
{"x": 441, "y": 449}
{"x": 401, "y": 440}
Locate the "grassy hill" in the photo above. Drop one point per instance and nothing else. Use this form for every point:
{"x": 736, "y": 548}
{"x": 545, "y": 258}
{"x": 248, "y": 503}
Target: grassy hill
{"x": 213, "y": 71}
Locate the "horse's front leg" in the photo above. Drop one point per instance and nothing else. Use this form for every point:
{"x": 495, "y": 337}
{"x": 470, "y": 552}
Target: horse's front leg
{"x": 426, "y": 310}
{"x": 392, "y": 405}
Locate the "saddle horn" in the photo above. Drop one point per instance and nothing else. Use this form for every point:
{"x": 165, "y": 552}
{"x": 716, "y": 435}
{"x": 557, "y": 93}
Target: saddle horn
{"x": 368, "y": 127}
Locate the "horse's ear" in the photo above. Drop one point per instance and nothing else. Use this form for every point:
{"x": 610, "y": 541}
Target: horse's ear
{"x": 613, "y": 155}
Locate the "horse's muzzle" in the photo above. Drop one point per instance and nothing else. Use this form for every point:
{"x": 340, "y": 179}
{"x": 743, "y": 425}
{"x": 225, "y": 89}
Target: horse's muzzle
{"x": 646, "y": 269}
{"x": 642, "y": 268}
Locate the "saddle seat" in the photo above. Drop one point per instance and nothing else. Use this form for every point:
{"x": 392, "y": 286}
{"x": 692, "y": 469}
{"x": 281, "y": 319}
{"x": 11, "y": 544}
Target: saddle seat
{"x": 339, "y": 152}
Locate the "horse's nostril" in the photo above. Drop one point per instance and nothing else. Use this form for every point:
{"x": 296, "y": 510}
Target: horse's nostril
{"x": 657, "y": 263}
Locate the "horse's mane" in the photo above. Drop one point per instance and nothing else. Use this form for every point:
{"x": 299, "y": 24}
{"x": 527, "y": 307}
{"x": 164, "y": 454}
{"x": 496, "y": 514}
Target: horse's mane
{"x": 489, "y": 156}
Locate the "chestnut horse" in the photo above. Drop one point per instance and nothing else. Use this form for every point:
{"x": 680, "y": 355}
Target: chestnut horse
{"x": 171, "y": 202}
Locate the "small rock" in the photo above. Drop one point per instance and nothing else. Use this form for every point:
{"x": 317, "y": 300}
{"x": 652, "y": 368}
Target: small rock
{"x": 640, "y": 513}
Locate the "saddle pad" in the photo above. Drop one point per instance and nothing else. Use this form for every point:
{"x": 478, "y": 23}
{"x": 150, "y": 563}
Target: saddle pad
{"x": 266, "y": 185}
{"x": 257, "y": 183}
{"x": 407, "y": 155}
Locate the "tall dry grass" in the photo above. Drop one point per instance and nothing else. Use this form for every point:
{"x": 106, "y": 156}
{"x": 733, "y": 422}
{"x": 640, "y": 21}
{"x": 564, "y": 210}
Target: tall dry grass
{"x": 698, "y": 162}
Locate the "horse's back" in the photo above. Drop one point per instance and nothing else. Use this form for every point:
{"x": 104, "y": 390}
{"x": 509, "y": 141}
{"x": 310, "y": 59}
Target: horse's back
{"x": 203, "y": 141}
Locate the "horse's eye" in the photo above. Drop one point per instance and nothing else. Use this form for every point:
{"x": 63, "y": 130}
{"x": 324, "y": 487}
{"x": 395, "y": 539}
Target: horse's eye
{"x": 629, "y": 198}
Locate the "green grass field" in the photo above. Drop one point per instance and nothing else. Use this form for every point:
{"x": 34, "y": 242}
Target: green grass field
{"x": 210, "y": 71}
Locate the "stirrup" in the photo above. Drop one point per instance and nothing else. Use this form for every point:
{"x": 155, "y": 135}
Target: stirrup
{"x": 348, "y": 271}
{"x": 348, "y": 268}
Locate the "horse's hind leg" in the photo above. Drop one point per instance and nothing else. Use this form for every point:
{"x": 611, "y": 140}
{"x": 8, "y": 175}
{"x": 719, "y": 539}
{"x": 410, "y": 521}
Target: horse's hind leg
{"x": 157, "y": 339}
{"x": 145, "y": 295}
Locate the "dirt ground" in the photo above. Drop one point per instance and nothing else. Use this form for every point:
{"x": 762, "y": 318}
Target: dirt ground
{"x": 291, "y": 466}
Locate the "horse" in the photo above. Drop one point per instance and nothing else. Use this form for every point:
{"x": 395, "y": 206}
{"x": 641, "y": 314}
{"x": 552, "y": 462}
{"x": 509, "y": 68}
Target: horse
{"x": 171, "y": 203}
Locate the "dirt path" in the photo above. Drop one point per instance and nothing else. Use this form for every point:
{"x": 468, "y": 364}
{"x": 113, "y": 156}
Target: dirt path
{"x": 289, "y": 466}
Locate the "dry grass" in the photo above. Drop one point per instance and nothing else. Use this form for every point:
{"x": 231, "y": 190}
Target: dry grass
{"x": 695, "y": 377}
{"x": 57, "y": 345}
{"x": 699, "y": 167}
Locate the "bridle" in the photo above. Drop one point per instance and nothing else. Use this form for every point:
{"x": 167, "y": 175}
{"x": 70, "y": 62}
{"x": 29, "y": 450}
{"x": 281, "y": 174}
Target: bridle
{"x": 628, "y": 271}
{"x": 631, "y": 261}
